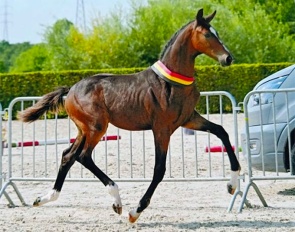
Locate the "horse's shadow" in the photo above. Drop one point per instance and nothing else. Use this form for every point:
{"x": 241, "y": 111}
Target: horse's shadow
{"x": 218, "y": 224}
{"x": 287, "y": 192}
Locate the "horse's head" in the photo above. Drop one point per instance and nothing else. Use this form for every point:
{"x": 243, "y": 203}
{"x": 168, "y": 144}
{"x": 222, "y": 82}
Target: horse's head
{"x": 205, "y": 40}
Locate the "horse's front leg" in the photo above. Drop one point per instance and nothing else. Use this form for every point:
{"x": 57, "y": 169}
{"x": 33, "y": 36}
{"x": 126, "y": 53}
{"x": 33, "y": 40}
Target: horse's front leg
{"x": 197, "y": 122}
{"x": 161, "y": 147}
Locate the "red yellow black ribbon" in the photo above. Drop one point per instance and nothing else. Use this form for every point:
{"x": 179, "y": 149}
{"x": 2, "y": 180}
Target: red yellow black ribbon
{"x": 170, "y": 76}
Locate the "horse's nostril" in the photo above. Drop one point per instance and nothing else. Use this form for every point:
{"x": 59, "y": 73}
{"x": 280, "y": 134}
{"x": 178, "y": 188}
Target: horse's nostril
{"x": 229, "y": 60}
{"x": 225, "y": 60}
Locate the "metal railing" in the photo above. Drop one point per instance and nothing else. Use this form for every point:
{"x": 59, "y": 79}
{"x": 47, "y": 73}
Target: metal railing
{"x": 268, "y": 136}
{"x": 130, "y": 157}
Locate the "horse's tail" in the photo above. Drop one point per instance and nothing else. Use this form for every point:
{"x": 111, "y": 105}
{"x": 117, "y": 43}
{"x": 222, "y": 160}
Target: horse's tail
{"x": 52, "y": 102}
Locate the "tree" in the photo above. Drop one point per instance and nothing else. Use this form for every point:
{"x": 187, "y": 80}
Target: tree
{"x": 253, "y": 35}
{"x": 105, "y": 46}
{"x": 59, "y": 47}
{"x": 244, "y": 26}
{"x": 253, "y": 30}
{"x": 9, "y": 52}
{"x": 282, "y": 11}
{"x": 33, "y": 59}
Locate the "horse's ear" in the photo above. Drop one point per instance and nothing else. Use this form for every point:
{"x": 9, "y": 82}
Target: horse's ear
{"x": 210, "y": 17}
{"x": 199, "y": 15}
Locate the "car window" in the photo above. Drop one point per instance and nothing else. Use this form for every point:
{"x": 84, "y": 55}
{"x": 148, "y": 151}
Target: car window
{"x": 273, "y": 84}
{"x": 291, "y": 79}
{"x": 266, "y": 98}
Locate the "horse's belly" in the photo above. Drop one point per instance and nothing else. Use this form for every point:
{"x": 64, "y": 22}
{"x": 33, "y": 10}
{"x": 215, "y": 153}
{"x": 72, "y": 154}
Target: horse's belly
{"x": 129, "y": 118}
{"x": 130, "y": 124}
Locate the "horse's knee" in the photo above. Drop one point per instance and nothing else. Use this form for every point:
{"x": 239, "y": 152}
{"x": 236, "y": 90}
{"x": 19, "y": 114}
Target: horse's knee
{"x": 67, "y": 161}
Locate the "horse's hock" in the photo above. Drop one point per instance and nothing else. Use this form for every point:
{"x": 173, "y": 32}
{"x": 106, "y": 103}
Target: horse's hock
{"x": 32, "y": 151}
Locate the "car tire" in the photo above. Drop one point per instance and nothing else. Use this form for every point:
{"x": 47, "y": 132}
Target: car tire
{"x": 293, "y": 158}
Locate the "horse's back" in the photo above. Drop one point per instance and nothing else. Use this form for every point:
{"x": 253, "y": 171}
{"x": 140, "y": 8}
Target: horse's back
{"x": 114, "y": 79}
{"x": 132, "y": 102}
{"x": 120, "y": 98}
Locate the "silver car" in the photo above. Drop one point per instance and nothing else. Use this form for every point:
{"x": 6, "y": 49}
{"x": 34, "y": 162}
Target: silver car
{"x": 271, "y": 117}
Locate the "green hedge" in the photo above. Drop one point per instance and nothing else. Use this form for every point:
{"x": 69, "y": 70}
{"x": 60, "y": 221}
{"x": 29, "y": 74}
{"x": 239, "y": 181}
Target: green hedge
{"x": 39, "y": 83}
{"x": 236, "y": 79}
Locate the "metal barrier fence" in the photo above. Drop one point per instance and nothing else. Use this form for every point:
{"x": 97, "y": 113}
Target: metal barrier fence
{"x": 130, "y": 157}
{"x": 268, "y": 141}
{"x": 2, "y": 172}
{"x": 1, "y": 147}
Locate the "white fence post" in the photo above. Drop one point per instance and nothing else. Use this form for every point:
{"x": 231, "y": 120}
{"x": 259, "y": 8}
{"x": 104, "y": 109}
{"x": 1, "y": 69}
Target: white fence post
{"x": 1, "y": 146}
{"x": 280, "y": 143}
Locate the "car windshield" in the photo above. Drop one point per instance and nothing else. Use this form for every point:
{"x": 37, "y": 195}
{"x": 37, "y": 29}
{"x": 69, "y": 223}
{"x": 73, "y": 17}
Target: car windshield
{"x": 265, "y": 98}
{"x": 272, "y": 84}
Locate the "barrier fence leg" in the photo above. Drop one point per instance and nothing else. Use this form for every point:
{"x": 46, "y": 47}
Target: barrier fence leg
{"x": 11, "y": 204}
{"x": 247, "y": 203}
{"x": 3, "y": 192}
{"x": 20, "y": 197}
{"x": 245, "y": 196}
{"x": 259, "y": 195}
{"x": 232, "y": 201}
{"x": 238, "y": 192}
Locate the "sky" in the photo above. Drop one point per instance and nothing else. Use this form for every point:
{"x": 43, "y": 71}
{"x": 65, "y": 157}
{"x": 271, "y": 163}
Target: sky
{"x": 28, "y": 19}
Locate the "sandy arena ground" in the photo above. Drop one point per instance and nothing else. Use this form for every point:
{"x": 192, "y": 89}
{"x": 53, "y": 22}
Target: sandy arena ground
{"x": 175, "y": 206}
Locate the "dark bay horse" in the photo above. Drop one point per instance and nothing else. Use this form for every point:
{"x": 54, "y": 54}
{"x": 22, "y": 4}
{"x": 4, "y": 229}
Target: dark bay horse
{"x": 161, "y": 98}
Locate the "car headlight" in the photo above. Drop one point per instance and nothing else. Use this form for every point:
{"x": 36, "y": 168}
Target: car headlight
{"x": 253, "y": 145}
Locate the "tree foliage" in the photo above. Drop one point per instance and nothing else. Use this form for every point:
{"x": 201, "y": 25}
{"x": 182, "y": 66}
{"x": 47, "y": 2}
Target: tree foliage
{"x": 256, "y": 37}
{"x": 33, "y": 59}
{"x": 9, "y": 53}
{"x": 59, "y": 46}
{"x": 255, "y": 31}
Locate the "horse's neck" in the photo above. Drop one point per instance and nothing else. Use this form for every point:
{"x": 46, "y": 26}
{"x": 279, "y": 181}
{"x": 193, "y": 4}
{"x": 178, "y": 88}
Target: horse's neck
{"x": 180, "y": 57}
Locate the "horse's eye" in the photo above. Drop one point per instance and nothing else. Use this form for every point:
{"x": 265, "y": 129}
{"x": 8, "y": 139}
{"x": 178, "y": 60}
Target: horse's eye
{"x": 207, "y": 35}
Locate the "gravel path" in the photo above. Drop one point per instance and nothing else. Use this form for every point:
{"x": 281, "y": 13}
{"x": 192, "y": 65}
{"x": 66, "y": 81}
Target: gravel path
{"x": 176, "y": 206}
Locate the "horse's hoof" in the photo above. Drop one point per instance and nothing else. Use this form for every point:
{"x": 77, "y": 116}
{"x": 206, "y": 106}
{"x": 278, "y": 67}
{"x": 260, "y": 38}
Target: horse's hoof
{"x": 117, "y": 209}
{"x": 132, "y": 219}
{"x": 230, "y": 189}
{"x": 133, "y": 216}
{"x": 37, "y": 201}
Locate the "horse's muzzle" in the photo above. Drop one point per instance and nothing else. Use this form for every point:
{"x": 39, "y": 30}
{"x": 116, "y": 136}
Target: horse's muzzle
{"x": 225, "y": 60}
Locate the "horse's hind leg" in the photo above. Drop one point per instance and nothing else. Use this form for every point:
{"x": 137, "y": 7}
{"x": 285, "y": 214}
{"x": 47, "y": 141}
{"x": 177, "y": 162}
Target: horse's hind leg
{"x": 93, "y": 136}
{"x": 197, "y": 122}
{"x": 68, "y": 159}
{"x": 86, "y": 160}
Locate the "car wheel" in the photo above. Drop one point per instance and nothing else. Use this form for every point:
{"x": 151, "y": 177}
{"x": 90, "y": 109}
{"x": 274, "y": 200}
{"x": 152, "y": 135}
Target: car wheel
{"x": 293, "y": 158}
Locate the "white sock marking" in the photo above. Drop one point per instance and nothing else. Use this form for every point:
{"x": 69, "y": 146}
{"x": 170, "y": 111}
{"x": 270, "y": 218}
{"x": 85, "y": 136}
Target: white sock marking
{"x": 134, "y": 214}
{"x": 114, "y": 192}
{"x": 52, "y": 195}
{"x": 234, "y": 179}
